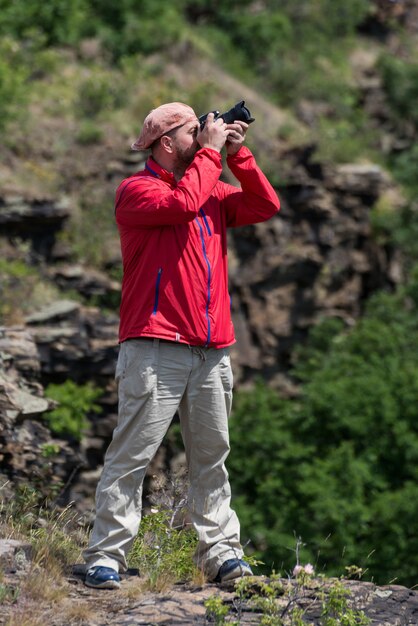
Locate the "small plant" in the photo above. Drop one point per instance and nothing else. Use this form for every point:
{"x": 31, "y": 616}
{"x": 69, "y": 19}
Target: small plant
{"x": 8, "y": 593}
{"x": 336, "y": 611}
{"x": 75, "y": 402}
{"x": 89, "y": 133}
{"x": 162, "y": 551}
{"x": 49, "y": 450}
{"x": 13, "y": 76}
{"x": 216, "y": 611}
{"x": 261, "y": 596}
{"x": 353, "y": 571}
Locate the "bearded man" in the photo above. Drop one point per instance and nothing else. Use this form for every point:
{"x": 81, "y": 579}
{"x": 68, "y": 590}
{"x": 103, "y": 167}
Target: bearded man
{"x": 176, "y": 331}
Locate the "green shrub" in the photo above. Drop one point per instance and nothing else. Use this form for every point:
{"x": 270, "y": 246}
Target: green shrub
{"x": 162, "y": 552}
{"x": 337, "y": 466}
{"x": 101, "y": 91}
{"x": 13, "y": 77}
{"x": 126, "y": 28}
{"x": 404, "y": 167}
{"x": 400, "y": 81}
{"x": 89, "y": 133}
{"x": 59, "y": 21}
{"x": 75, "y": 403}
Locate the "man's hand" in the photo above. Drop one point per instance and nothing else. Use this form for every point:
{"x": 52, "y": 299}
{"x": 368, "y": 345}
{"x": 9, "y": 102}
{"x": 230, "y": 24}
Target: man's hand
{"x": 214, "y": 133}
{"x": 236, "y": 137}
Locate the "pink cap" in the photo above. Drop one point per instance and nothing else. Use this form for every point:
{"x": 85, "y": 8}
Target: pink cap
{"x": 161, "y": 120}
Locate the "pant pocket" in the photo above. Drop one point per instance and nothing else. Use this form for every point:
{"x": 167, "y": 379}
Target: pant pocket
{"x": 139, "y": 369}
{"x": 227, "y": 380}
{"x": 120, "y": 363}
{"x": 225, "y": 372}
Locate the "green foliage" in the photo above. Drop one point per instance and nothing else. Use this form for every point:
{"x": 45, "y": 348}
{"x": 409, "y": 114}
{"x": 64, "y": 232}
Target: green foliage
{"x": 338, "y": 466}
{"x": 404, "y": 166}
{"x": 49, "y": 450}
{"x": 15, "y": 269}
{"x": 400, "y": 81}
{"x": 124, "y": 27}
{"x": 8, "y": 593}
{"x": 89, "y": 133}
{"x": 216, "y": 610}
{"x": 163, "y": 553}
{"x": 398, "y": 229}
{"x": 13, "y": 77}
{"x": 127, "y": 29}
{"x": 101, "y": 91}
{"x": 345, "y": 139}
{"x": 59, "y": 21}
{"x": 264, "y": 599}
{"x": 289, "y": 44}
{"x": 300, "y": 50}
{"x": 75, "y": 403}
{"x": 336, "y": 610}
{"x": 277, "y": 603}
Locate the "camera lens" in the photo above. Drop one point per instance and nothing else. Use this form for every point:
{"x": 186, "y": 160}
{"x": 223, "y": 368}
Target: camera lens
{"x": 238, "y": 112}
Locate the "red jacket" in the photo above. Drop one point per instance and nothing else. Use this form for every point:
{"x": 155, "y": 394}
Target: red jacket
{"x": 173, "y": 240}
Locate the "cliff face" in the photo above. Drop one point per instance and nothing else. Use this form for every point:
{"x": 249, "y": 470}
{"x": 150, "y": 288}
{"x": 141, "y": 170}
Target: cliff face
{"x": 317, "y": 259}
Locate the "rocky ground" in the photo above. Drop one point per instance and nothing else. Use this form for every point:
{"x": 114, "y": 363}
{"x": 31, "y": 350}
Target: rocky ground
{"x": 184, "y": 604}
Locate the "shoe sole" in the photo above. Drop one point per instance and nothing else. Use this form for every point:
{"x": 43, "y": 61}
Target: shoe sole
{"x": 107, "y": 584}
{"x": 237, "y": 572}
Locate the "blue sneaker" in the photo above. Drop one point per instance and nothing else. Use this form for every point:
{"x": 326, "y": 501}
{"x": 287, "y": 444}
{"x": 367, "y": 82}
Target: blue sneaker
{"x": 102, "y": 578}
{"x": 233, "y": 568}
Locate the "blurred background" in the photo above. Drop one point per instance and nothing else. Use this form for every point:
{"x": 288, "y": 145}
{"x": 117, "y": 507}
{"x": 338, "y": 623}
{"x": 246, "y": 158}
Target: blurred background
{"x": 324, "y": 430}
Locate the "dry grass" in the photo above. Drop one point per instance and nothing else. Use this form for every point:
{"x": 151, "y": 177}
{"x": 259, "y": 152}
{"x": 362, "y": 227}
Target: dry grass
{"x": 199, "y": 577}
{"x": 133, "y": 589}
{"x": 75, "y": 612}
{"x": 26, "y": 618}
{"x": 45, "y": 584}
{"x": 57, "y": 538}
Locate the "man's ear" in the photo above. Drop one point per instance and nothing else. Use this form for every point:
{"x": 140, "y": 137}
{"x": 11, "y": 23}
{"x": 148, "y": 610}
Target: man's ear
{"x": 167, "y": 143}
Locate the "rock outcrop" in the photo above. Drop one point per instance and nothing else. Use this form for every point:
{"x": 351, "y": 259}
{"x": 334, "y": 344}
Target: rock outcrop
{"x": 316, "y": 259}
{"x": 25, "y": 440}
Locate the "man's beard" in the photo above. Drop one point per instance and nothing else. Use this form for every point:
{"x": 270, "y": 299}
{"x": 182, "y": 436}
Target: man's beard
{"x": 183, "y": 159}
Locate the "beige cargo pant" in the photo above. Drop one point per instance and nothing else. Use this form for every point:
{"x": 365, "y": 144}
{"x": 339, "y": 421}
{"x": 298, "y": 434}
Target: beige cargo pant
{"x": 156, "y": 379}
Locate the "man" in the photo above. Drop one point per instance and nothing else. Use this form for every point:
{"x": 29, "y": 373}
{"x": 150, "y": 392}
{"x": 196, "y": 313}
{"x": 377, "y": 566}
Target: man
{"x": 175, "y": 332}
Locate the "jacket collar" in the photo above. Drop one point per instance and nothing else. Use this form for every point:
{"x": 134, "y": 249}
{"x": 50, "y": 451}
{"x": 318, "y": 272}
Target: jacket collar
{"x": 152, "y": 167}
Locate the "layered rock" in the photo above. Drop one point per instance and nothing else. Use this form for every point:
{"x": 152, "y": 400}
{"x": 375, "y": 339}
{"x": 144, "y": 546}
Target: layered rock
{"x": 28, "y": 452}
{"x": 316, "y": 259}
{"x": 34, "y": 219}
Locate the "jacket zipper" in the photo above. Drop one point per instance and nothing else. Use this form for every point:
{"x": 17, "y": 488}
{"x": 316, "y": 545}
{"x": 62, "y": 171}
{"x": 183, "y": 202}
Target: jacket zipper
{"x": 205, "y": 219}
{"x": 157, "y": 291}
{"x": 202, "y": 239}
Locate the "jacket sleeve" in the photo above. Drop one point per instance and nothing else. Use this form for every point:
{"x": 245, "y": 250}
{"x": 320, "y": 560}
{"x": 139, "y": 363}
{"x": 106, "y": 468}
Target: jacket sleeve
{"x": 148, "y": 201}
{"x": 256, "y": 201}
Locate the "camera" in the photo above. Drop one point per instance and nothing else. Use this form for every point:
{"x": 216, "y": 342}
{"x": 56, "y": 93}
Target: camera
{"x": 238, "y": 112}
